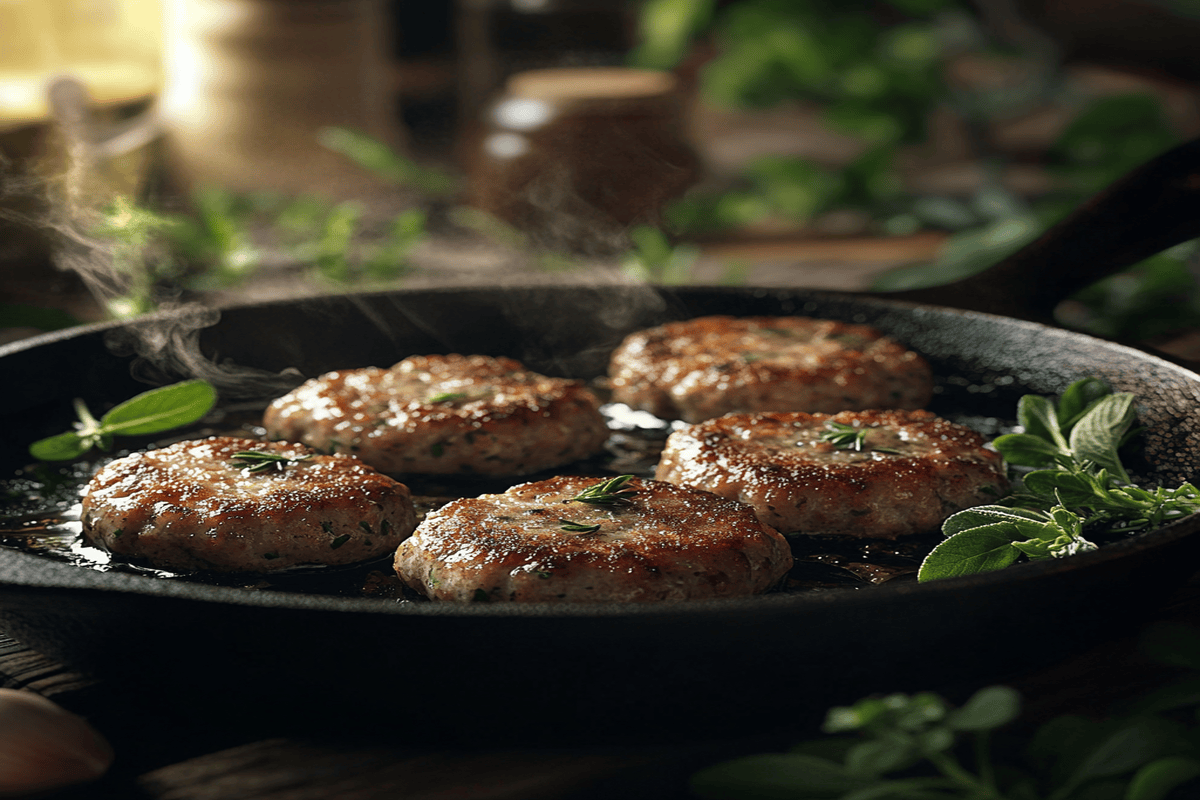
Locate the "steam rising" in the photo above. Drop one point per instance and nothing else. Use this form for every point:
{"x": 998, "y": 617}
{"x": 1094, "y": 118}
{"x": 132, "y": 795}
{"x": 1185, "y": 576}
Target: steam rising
{"x": 166, "y": 347}
{"x": 566, "y": 333}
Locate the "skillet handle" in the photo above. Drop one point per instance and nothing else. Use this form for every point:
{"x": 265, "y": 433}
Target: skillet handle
{"x": 1152, "y": 208}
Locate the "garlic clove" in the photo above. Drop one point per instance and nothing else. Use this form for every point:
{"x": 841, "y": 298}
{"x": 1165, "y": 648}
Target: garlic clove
{"x": 43, "y": 746}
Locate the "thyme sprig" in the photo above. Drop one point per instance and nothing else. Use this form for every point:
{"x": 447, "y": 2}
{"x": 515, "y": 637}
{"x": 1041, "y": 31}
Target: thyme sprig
{"x": 849, "y": 437}
{"x": 261, "y": 461}
{"x": 605, "y": 493}
{"x": 844, "y": 437}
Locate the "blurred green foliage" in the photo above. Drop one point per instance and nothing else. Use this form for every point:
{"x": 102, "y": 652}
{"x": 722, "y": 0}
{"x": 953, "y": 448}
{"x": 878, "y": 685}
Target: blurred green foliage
{"x": 877, "y": 70}
{"x": 226, "y": 238}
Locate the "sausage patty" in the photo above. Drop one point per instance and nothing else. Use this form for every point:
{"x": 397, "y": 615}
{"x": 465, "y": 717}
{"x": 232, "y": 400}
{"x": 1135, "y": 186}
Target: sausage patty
{"x": 893, "y": 473}
{"x": 534, "y": 542}
{"x": 702, "y": 368}
{"x": 444, "y": 414}
{"x": 193, "y": 506}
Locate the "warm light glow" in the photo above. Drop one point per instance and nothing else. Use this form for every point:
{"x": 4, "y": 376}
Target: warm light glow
{"x": 113, "y": 48}
{"x": 522, "y": 114}
{"x": 506, "y": 145}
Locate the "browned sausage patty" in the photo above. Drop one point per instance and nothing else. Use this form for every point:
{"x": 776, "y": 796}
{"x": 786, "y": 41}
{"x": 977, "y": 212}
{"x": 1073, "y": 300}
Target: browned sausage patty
{"x": 702, "y": 368}
{"x": 913, "y": 470}
{"x": 193, "y": 506}
{"x": 534, "y": 543}
{"x": 444, "y": 414}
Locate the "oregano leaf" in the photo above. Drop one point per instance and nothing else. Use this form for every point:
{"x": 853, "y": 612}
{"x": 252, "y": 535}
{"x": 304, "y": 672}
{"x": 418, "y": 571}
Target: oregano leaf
{"x": 979, "y": 550}
{"x": 1078, "y": 399}
{"x": 1037, "y": 416}
{"x": 160, "y": 409}
{"x": 1101, "y": 430}
{"x": 1026, "y": 449}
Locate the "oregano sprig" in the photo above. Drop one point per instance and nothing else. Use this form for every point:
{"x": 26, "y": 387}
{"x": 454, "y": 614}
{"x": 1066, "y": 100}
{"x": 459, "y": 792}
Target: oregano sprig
{"x": 1076, "y": 483}
{"x": 154, "y": 411}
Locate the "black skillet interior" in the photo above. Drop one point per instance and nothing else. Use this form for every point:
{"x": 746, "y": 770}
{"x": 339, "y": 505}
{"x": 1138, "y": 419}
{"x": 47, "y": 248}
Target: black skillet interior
{"x": 605, "y": 672}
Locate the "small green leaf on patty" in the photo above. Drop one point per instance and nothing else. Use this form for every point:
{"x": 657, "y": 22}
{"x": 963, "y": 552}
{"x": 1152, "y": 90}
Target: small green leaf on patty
{"x": 849, "y": 437}
{"x": 261, "y": 461}
{"x": 606, "y": 492}
{"x": 844, "y": 437}
{"x": 577, "y": 527}
{"x": 447, "y": 396}
{"x": 339, "y": 541}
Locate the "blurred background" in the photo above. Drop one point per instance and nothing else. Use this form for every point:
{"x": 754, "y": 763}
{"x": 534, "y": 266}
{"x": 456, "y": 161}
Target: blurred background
{"x": 157, "y": 152}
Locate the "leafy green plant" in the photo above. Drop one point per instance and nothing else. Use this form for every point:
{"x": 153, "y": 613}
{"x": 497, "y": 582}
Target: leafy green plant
{"x": 654, "y": 258}
{"x": 379, "y": 159}
{"x": 921, "y": 747}
{"x": 878, "y": 71}
{"x": 154, "y": 411}
{"x": 1075, "y": 482}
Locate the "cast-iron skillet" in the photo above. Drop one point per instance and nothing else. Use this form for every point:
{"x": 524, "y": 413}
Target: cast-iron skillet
{"x": 495, "y": 672}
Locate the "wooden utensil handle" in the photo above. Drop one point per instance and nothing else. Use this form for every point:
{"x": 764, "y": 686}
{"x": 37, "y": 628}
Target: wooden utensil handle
{"x": 1148, "y": 210}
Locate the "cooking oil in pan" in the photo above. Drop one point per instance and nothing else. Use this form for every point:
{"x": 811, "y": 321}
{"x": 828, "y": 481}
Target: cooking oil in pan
{"x": 40, "y": 514}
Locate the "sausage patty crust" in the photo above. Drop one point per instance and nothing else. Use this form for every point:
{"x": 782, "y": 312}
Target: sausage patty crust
{"x": 534, "y": 543}
{"x": 893, "y": 473}
{"x": 444, "y": 414}
{"x": 194, "y": 506}
{"x": 702, "y": 368}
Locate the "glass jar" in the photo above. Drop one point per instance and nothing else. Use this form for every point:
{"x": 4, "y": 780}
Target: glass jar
{"x": 574, "y": 157}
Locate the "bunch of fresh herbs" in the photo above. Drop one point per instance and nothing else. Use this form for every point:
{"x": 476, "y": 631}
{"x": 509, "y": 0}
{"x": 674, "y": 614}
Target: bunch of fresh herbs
{"x": 1071, "y": 481}
{"x": 921, "y": 747}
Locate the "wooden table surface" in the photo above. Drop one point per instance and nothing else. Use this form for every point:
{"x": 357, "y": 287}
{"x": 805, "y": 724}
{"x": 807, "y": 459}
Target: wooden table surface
{"x": 161, "y": 755}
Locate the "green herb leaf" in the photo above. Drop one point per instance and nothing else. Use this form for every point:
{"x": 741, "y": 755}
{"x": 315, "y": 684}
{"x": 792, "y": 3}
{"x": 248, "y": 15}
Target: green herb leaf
{"x": 613, "y": 490}
{"x": 154, "y": 411}
{"x": 1027, "y": 450}
{"x": 160, "y": 409}
{"x": 63, "y": 447}
{"x": 1128, "y": 746}
{"x": 983, "y": 549}
{"x": 1078, "y": 399}
{"x": 844, "y": 437}
{"x": 987, "y": 709}
{"x": 1038, "y": 417}
{"x": 1072, "y": 489}
{"x": 1160, "y": 777}
{"x": 261, "y": 461}
{"x": 577, "y": 527}
{"x": 1101, "y": 430}
{"x": 1024, "y": 522}
{"x": 446, "y": 396}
